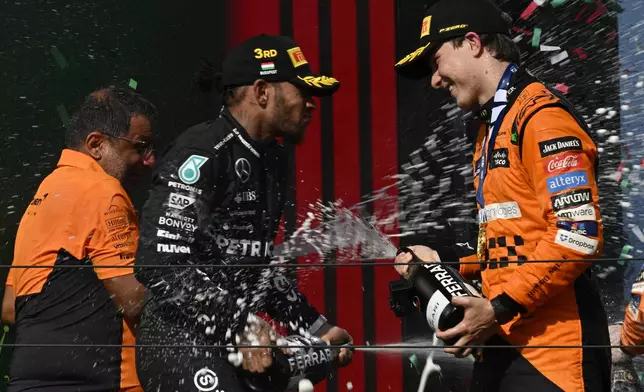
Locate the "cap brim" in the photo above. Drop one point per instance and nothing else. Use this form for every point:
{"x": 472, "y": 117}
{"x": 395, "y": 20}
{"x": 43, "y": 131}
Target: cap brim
{"x": 414, "y": 66}
{"x": 317, "y": 85}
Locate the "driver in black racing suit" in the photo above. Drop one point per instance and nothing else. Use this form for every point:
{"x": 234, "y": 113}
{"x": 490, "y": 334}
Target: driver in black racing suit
{"x": 217, "y": 198}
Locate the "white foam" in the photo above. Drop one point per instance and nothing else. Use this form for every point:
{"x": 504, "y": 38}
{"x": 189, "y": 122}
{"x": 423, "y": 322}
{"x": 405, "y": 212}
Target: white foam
{"x": 430, "y": 366}
{"x": 305, "y": 385}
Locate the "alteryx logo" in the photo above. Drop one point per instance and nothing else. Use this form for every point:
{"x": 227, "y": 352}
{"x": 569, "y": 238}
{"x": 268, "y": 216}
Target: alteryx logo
{"x": 567, "y": 181}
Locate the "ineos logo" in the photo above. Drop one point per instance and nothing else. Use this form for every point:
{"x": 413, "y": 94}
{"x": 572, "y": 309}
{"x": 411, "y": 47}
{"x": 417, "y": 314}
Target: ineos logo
{"x": 206, "y": 380}
{"x": 242, "y": 169}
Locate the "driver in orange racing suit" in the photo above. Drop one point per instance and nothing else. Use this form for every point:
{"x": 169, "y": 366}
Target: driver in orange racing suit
{"x": 628, "y": 335}
{"x": 535, "y": 170}
{"x": 633, "y": 328}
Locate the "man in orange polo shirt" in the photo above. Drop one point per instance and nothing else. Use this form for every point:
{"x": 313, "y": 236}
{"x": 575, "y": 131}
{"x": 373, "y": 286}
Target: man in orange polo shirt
{"x": 81, "y": 216}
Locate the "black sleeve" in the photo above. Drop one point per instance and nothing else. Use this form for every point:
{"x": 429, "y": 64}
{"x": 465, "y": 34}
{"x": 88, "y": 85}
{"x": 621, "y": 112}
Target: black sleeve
{"x": 458, "y": 250}
{"x": 284, "y": 303}
{"x": 174, "y": 232}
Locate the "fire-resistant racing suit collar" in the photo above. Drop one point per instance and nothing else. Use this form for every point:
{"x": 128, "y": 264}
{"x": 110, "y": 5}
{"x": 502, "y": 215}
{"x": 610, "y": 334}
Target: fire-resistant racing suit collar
{"x": 519, "y": 81}
{"x": 258, "y": 148}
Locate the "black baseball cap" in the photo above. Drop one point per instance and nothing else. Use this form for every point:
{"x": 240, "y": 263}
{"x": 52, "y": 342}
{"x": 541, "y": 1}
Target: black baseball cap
{"x": 274, "y": 59}
{"x": 446, "y": 20}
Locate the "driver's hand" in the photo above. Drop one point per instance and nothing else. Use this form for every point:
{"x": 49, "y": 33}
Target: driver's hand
{"x": 257, "y": 360}
{"x": 424, "y": 253}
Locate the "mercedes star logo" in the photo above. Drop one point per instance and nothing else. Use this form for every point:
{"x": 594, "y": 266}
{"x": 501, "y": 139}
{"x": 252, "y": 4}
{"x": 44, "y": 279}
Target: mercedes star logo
{"x": 242, "y": 168}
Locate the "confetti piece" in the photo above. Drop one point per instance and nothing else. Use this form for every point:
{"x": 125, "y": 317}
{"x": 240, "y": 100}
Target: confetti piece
{"x": 625, "y": 184}
{"x": 548, "y": 48}
{"x": 615, "y": 6}
{"x": 133, "y": 83}
{"x": 60, "y": 59}
{"x": 582, "y": 12}
{"x": 580, "y": 53}
{"x": 557, "y": 3}
{"x": 522, "y": 31}
{"x": 626, "y": 250}
{"x": 601, "y": 9}
{"x": 5, "y": 330}
{"x": 62, "y": 113}
{"x": 529, "y": 10}
{"x": 536, "y": 37}
{"x": 638, "y": 232}
{"x": 558, "y": 57}
{"x": 562, "y": 87}
{"x": 414, "y": 361}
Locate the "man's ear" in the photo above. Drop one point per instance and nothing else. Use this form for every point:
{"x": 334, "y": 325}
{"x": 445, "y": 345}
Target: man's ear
{"x": 94, "y": 143}
{"x": 473, "y": 41}
{"x": 260, "y": 91}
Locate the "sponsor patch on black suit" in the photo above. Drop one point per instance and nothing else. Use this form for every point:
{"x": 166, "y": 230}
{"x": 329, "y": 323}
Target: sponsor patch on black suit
{"x": 555, "y": 146}
{"x": 499, "y": 158}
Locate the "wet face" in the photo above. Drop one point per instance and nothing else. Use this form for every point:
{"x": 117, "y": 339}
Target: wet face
{"x": 292, "y": 111}
{"x": 129, "y": 157}
{"x": 455, "y": 69}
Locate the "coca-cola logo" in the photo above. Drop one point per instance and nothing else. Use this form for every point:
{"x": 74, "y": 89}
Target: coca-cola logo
{"x": 560, "y": 163}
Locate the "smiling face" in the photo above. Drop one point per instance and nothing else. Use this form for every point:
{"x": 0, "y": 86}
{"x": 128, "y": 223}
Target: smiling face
{"x": 456, "y": 69}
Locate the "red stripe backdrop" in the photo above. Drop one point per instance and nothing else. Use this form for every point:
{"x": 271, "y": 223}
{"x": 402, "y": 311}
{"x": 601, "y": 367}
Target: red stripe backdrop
{"x": 265, "y": 18}
{"x": 385, "y": 163}
{"x": 308, "y": 156}
{"x": 347, "y": 173}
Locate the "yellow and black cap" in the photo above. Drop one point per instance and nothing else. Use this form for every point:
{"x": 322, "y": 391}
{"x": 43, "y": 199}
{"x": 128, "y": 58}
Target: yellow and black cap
{"x": 274, "y": 59}
{"x": 446, "y": 20}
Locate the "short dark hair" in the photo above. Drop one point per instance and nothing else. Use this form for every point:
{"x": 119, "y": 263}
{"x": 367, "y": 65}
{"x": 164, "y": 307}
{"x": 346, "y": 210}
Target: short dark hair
{"x": 500, "y": 45}
{"x": 233, "y": 96}
{"x": 107, "y": 110}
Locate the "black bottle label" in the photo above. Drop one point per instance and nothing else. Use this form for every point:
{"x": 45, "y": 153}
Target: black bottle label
{"x": 442, "y": 283}
{"x": 449, "y": 281}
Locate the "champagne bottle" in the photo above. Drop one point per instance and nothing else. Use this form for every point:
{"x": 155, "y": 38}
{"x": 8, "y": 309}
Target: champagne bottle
{"x": 435, "y": 285}
{"x": 309, "y": 358}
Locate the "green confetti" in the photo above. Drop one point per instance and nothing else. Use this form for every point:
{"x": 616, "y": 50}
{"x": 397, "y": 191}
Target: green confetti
{"x": 625, "y": 254}
{"x": 557, "y": 3}
{"x": 4, "y": 334}
{"x": 626, "y": 249}
{"x": 133, "y": 84}
{"x": 62, "y": 113}
{"x": 5, "y": 328}
{"x": 615, "y": 6}
{"x": 60, "y": 59}
{"x": 414, "y": 361}
{"x": 536, "y": 37}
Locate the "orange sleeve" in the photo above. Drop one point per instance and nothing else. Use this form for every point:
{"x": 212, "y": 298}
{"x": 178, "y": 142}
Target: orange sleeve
{"x": 567, "y": 195}
{"x": 469, "y": 266}
{"x": 633, "y": 329}
{"x": 115, "y": 232}
{"x": 10, "y": 277}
